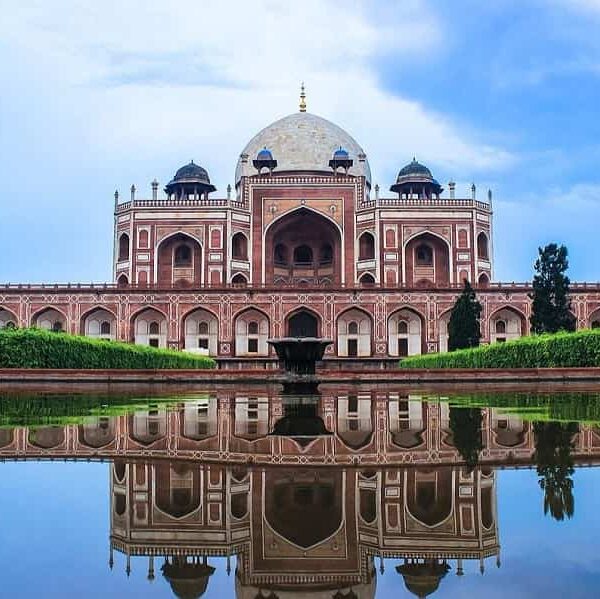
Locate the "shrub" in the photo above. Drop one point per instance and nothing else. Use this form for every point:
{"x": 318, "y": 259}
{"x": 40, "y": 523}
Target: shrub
{"x": 35, "y": 348}
{"x": 561, "y": 350}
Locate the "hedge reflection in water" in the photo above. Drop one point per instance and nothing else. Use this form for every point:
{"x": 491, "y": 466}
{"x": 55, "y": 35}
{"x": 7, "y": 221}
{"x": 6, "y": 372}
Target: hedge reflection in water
{"x": 403, "y": 476}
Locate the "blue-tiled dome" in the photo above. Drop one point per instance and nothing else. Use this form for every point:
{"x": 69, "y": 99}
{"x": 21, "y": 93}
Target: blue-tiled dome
{"x": 340, "y": 154}
{"x": 264, "y": 154}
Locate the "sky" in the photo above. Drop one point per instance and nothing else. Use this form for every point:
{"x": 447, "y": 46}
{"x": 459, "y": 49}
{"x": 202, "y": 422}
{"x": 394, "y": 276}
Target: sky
{"x": 97, "y": 96}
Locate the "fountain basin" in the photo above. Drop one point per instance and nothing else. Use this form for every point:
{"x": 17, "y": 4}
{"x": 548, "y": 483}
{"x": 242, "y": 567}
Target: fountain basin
{"x": 298, "y": 355}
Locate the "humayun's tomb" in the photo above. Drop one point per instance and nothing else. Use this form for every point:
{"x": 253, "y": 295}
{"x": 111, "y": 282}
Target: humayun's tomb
{"x": 302, "y": 245}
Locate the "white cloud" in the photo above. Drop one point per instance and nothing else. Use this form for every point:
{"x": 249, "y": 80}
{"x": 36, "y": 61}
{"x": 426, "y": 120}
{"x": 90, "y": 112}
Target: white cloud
{"x": 162, "y": 82}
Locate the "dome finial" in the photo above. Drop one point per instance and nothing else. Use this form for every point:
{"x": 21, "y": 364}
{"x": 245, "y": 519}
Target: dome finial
{"x": 302, "y": 98}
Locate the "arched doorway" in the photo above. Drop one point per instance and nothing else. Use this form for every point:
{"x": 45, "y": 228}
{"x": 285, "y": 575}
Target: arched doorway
{"x": 303, "y": 247}
{"x": 303, "y": 324}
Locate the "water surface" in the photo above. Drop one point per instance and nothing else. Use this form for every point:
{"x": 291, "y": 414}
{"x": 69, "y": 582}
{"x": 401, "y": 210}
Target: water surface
{"x": 362, "y": 493}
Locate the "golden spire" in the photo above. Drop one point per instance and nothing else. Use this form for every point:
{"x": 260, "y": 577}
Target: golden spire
{"x": 302, "y": 98}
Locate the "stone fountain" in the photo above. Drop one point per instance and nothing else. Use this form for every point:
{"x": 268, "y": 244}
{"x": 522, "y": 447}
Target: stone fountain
{"x": 298, "y": 357}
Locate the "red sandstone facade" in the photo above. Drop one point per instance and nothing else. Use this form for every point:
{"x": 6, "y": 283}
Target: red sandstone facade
{"x": 303, "y": 245}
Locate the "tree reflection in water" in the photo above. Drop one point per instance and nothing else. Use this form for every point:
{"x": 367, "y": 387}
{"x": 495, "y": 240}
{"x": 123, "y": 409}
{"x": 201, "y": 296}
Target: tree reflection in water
{"x": 553, "y": 445}
{"x": 465, "y": 424}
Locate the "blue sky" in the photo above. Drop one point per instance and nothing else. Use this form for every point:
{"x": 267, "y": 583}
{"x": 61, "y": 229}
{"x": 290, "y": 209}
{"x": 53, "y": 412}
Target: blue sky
{"x": 97, "y": 96}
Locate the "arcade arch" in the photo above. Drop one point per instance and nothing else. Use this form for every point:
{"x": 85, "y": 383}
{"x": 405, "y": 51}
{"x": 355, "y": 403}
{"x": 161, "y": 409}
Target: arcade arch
{"x": 506, "y": 324}
{"x": 354, "y": 334}
{"x": 7, "y": 319}
{"x": 99, "y": 323}
{"x": 302, "y": 323}
{"x": 201, "y": 329}
{"x": 177, "y": 489}
{"x": 509, "y": 430}
{"x": 150, "y": 328}
{"x": 98, "y": 432}
{"x": 405, "y": 333}
{"x": 594, "y": 320}
{"x": 50, "y": 319}
{"x": 443, "y": 334}
{"x": 200, "y": 419}
{"x": 251, "y": 333}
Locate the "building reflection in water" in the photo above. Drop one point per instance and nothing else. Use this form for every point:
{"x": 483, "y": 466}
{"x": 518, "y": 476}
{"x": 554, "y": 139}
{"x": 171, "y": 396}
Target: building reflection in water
{"x": 379, "y": 482}
{"x": 319, "y": 532}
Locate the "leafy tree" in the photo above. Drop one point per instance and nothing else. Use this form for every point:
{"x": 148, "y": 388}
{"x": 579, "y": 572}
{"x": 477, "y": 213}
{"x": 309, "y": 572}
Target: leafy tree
{"x": 553, "y": 445}
{"x": 465, "y": 424}
{"x": 463, "y": 328}
{"x": 551, "y": 304}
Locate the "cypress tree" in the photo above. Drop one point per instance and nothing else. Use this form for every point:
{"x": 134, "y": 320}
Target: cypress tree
{"x": 550, "y": 308}
{"x": 463, "y": 328}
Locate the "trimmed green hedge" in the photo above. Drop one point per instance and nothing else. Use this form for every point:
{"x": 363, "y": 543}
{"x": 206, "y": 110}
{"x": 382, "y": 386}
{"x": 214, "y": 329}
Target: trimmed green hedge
{"x": 561, "y": 350}
{"x": 35, "y": 348}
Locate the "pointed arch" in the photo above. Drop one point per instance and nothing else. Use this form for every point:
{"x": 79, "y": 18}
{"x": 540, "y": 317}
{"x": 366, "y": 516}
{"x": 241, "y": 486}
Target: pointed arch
{"x": 148, "y": 326}
{"x": 251, "y": 326}
{"x": 506, "y": 323}
{"x": 93, "y": 323}
{"x": 355, "y": 421}
{"x": 439, "y": 271}
{"x": 429, "y": 495}
{"x": 594, "y": 319}
{"x": 366, "y": 246}
{"x": 354, "y": 333}
{"x": 302, "y": 322}
{"x": 367, "y": 279}
{"x": 292, "y": 245}
{"x": 239, "y": 246}
{"x": 50, "y": 318}
{"x": 124, "y": 247}
{"x": 8, "y": 319}
{"x": 406, "y": 332}
{"x": 168, "y": 270}
{"x": 483, "y": 246}
{"x": 200, "y": 331}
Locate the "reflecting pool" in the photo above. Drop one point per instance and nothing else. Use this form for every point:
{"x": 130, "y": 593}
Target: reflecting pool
{"x": 357, "y": 493}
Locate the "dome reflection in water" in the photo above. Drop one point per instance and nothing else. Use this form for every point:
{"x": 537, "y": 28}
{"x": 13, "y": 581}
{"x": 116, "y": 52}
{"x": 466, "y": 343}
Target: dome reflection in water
{"x": 316, "y": 496}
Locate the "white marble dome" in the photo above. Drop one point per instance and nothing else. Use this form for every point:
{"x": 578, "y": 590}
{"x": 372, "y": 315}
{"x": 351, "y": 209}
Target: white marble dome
{"x": 302, "y": 142}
